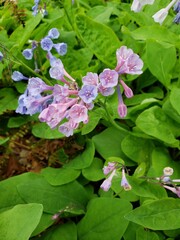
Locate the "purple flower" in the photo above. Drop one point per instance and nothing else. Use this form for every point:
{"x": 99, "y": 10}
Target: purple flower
{"x": 177, "y": 18}
{"x": 18, "y": 76}
{"x": 57, "y": 69}
{"x": 21, "y": 106}
{"x": 107, "y": 183}
{"x": 53, "y": 33}
{"x": 127, "y": 90}
{"x": 124, "y": 182}
{"x": 109, "y": 168}
{"x": 36, "y": 86}
{"x": 28, "y": 53}
{"x": 177, "y": 7}
{"x": 108, "y": 78}
{"x": 90, "y": 79}
{"x": 128, "y": 61}
{"x": 61, "y": 48}
{"x": 55, "y": 113}
{"x": 78, "y": 113}
{"x": 88, "y": 93}
{"x": 67, "y": 128}
{"x": 46, "y": 44}
{"x": 1, "y": 56}
{"x": 105, "y": 91}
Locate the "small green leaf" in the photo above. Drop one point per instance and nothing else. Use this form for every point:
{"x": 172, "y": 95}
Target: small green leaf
{"x": 94, "y": 171}
{"x": 161, "y": 214}
{"x": 84, "y": 159}
{"x": 59, "y": 176}
{"x": 20, "y": 221}
{"x": 42, "y": 130}
{"x": 144, "y": 234}
{"x": 108, "y": 224}
{"x": 8, "y": 99}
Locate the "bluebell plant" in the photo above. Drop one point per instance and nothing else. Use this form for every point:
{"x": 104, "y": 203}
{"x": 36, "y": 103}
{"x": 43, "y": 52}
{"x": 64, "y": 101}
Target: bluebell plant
{"x": 65, "y": 105}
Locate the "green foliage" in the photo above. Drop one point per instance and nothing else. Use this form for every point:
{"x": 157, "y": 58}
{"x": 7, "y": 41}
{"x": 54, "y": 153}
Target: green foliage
{"x": 64, "y": 200}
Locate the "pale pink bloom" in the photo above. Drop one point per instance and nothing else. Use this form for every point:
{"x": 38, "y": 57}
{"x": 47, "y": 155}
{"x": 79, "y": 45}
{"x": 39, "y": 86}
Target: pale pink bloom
{"x": 78, "y": 113}
{"x": 128, "y": 62}
{"x": 90, "y": 79}
{"x": 161, "y": 15}
{"x": 67, "y": 128}
{"x": 175, "y": 190}
{"x": 107, "y": 183}
{"x": 124, "y": 182}
{"x": 109, "y": 168}
{"x": 137, "y": 5}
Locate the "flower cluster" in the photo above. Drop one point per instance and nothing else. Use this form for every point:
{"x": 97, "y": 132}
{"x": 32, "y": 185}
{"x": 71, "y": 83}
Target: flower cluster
{"x": 65, "y": 105}
{"x": 166, "y": 180}
{"x": 37, "y": 8}
{"x": 110, "y": 170}
{"x": 161, "y": 15}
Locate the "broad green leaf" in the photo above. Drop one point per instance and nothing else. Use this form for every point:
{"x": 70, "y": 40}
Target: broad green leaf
{"x": 175, "y": 99}
{"x": 45, "y": 222}
{"x": 161, "y": 214}
{"x": 155, "y": 123}
{"x": 94, "y": 117}
{"x": 106, "y": 42}
{"x": 8, "y": 99}
{"x": 130, "y": 233}
{"x": 170, "y": 111}
{"x": 65, "y": 231}
{"x": 84, "y": 159}
{"x": 137, "y": 149}
{"x": 8, "y": 188}
{"x": 108, "y": 144}
{"x": 158, "y": 33}
{"x": 140, "y": 170}
{"x": 21, "y": 35}
{"x": 53, "y": 198}
{"x": 137, "y": 99}
{"x": 146, "y": 235}
{"x": 20, "y": 221}
{"x": 104, "y": 219}
{"x": 157, "y": 59}
{"x": 59, "y": 176}
{"x": 94, "y": 171}
{"x": 42, "y": 130}
{"x": 161, "y": 159}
